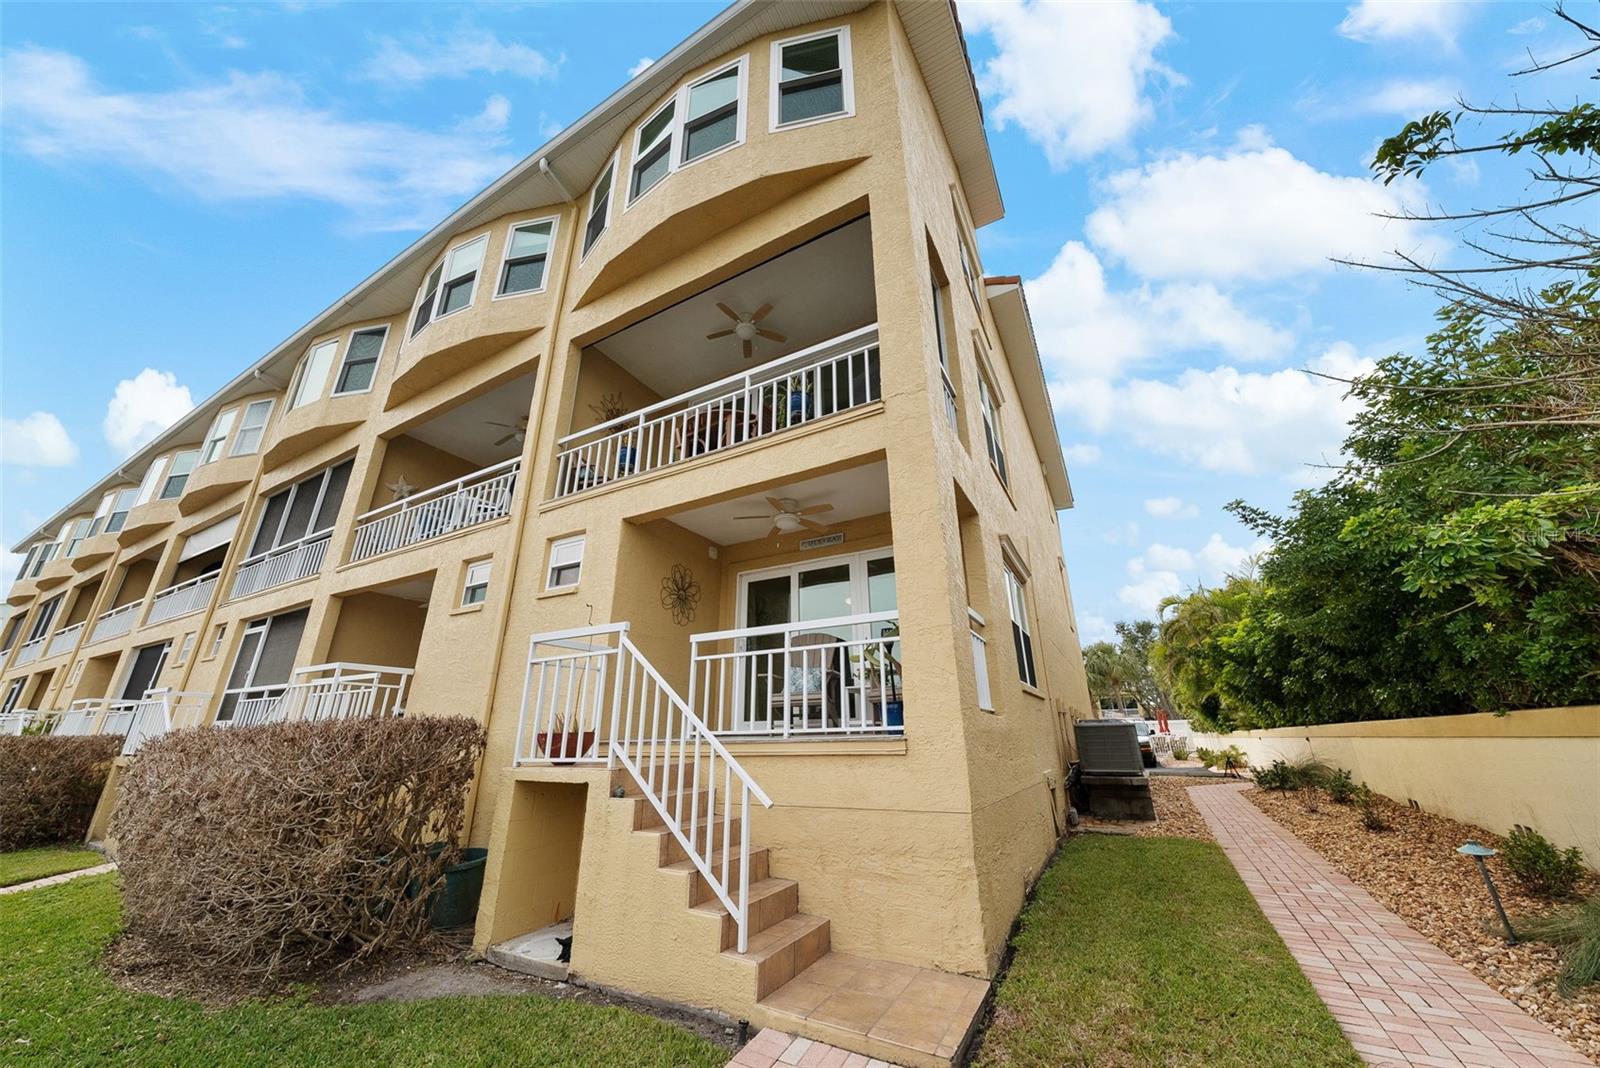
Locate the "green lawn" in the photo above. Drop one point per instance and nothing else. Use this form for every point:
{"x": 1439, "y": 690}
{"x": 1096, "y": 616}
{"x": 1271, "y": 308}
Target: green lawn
{"x": 1150, "y": 951}
{"x": 25, "y": 865}
{"x": 56, "y": 1007}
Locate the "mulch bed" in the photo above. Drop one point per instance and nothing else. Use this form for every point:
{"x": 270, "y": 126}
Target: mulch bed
{"x": 1413, "y": 870}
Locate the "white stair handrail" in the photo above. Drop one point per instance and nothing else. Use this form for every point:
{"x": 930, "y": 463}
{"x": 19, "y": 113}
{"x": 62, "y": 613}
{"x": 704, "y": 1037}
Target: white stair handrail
{"x": 683, "y": 770}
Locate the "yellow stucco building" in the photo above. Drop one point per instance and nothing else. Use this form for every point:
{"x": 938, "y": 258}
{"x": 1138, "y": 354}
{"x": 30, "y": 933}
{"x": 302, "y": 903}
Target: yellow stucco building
{"x": 699, "y": 460}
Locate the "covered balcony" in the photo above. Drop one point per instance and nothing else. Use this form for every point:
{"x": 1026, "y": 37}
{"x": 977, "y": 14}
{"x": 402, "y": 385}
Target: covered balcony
{"x": 785, "y": 344}
{"x": 194, "y": 581}
{"x": 469, "y": 460}
{"x": 791, "y": 630}
{"x": 137, "y": 719}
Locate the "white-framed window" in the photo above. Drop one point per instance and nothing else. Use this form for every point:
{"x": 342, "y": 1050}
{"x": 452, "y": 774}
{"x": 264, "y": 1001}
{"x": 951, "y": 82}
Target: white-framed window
{"x": 217, "y": 436}
{"x": 714, "y": 112}
{"x": 77, "y": 672}
{"x": 12, "y": 693}
{"x": 652, "y": 150}
{"x": 13, "y": 626}
{"x": 312, "y": 378}
{"x": 969, "y": 268}
{"x": 77, "y": 531}
{"x": 29, "y": 559}
{"x": 599, "y": 216}
{"x": 980, "y": 671}
{"x": 251, "y": 427}
{"x": 425, "y": 302}
{"x": 1021, "y": 634}
{"x": 566, "y": 563}
{"x": 121, "y": 505}
{"x": 44, "y": 617}
{"x": 941, "y": 312}
{"x": 152, "y": 479}
{"x": 522, "y": 267}
{"x": 102, "y": 512}
{"x": 185, "y": 647}
{"x": 475, "y": 587}
{"x": 811, "y": 79}
{"x": 360, "y": 364}
{"x": 217, "y": 634}
{"x": 992, "y": 440}
{"x": 450, "y": 287}
{"x": 178, "y": 474}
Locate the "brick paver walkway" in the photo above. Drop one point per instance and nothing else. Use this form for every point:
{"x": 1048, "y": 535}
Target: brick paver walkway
{"x": 64, "y": 877}
{"x": 774, "y": 1049}
{"x": 1399, "y": 998}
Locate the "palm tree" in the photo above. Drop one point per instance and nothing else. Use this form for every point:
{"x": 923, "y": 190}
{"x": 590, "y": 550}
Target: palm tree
{"x": 1108, "y": 672}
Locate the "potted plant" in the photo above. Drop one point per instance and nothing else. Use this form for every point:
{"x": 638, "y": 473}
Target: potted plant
{"x": 881, "y": 665}
{"x": 562, "y": 742}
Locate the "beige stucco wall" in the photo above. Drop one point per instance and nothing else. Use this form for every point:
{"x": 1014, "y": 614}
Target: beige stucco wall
{"x": 917, "y": 849}
{"x": 1537, "y": 767}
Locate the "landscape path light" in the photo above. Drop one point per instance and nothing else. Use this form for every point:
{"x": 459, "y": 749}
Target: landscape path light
{"x": 1481, "y": 853}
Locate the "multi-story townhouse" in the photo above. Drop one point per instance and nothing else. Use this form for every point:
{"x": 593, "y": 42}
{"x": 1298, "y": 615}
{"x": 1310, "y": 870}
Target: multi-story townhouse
{"x": 699, "y": 460}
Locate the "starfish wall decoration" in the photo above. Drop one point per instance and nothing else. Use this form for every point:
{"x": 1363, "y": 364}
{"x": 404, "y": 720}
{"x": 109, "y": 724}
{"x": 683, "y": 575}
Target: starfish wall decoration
{"x": 401, "y": 488}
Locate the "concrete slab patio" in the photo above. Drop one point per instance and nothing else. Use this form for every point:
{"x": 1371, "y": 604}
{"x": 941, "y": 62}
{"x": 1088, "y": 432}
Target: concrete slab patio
{"x": 1399, "y": 998}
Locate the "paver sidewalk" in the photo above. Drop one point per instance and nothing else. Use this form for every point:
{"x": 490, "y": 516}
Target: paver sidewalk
{"x": 52, "y": 880}
{"x": 774, "y": 1049}
{"x": 1399, "y": 998}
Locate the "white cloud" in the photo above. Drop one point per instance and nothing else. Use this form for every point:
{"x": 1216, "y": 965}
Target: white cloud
{"x": 249, "y": 137}
{"x": 1231, "y": 420}
{"x": 1218, "y": 559}
{"x": 1144, "y": 594}
{"x": 10, "y": 564}
{"x": 1533, "y": 25}
{"x": 458, "y": 55}
{"x": 640, "y": 67}
{"x": 1404, "y": 98}
{"x": 1082, "y": 455}
{"x": 1402, "y": 20}
{"x": 37, "y": 440}
{"x": 1127, "y": 534}
{"x": 1093, "y": 628}
{"x": 142, "y": 407}
{"x": 1073, "y": 76}
{"x": 1168, "y": 557}
{"x": 1170, "y": 508}
{"x": 1087, "y": 329}
{"x": 1253, "y": 212}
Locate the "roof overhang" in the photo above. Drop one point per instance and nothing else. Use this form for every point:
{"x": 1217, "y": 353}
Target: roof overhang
{"x": 1010, "y": 307}
{"x": 564, "y": 167}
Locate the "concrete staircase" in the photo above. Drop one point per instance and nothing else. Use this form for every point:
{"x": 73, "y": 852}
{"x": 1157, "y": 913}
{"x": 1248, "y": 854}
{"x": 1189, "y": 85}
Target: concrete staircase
{"x": 896, "y": 1012}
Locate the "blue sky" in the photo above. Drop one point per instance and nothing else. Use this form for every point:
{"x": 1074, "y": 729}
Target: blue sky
{"x": 184, "y": 185}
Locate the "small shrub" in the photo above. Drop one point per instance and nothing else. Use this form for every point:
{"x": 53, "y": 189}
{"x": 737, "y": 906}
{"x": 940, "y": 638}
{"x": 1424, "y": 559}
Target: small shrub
{"x": 1371, "y": 815}
{"x": 1208, "y": 757}
{"x": 1232, "y": 760}
{"x": 1309, "y": 771}
{"x": 1575, "y": 930}
{"x": 1341, "y": 787}
{"x": 49, "y": 786}
{"x": 1539, "y": 865}
{"x": 1180, "y": 749}
{"x": 1278, "y": 776}
{"x": 272, "y": 851}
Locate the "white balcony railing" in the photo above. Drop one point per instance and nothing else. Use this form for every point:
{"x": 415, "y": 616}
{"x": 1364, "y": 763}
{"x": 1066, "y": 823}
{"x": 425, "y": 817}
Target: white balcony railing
{"x": 64, "y": 640}
{"x": 286, "y": 563}
{"x": 812, "y": 384}
{"x": 590, "y": 696}
{"x": 837, "y": 676}
{"x": 139, "y": 720}
{"x": 468, "y": 501}
{"x": 186, "y": 598}
{"x": 322, "y": 691}
{"x": 13, "y": 723}
{"x": 115, "y": 623}
{"x": 29, "y": 651}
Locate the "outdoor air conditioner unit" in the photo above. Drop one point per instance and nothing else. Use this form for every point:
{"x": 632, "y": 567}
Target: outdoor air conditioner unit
{"x": 1108, "y": 747}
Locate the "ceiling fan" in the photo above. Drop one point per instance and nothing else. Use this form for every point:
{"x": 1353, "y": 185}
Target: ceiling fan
{"x": 518, "y": 430}
{"x": 787, "y": 515}
{"x": 746, "y": 328}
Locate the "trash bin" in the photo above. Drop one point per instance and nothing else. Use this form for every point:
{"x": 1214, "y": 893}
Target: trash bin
{"x": 456, "y": 902}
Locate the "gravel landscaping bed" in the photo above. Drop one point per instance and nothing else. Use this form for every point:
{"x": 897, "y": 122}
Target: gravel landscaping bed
{"x": 1413, "y": 869}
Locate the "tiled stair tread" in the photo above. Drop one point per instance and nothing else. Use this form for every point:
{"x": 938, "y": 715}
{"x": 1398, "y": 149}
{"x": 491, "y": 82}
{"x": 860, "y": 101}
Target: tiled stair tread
{"x": 897, "y": 1012}
{"x": 716, "y": 861}
{"x": 759, "y": 890}
{"x": 779, "y": 936}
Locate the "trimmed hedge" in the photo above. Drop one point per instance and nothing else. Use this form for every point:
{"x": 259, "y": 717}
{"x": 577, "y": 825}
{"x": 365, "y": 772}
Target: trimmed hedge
{"x": 49, "y": 786}
{"x": 280, "y": 850}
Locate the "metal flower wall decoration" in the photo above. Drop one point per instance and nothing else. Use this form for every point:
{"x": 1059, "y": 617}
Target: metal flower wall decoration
{"x": 680, "y": 594}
